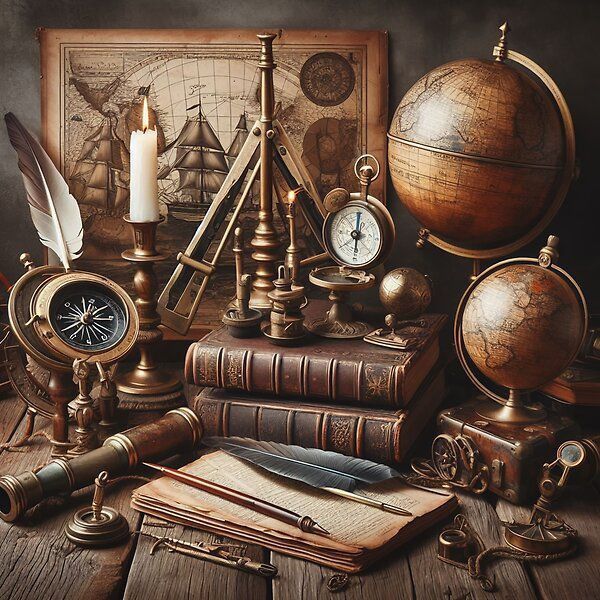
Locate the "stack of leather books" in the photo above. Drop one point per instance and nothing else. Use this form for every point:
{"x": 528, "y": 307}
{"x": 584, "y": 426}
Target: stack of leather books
{"x": 343, "y": 395}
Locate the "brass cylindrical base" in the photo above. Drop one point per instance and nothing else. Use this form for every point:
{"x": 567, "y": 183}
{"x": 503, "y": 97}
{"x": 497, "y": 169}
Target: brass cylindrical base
{"x": 513, "y": 412}
{"x": 110, "y": 529}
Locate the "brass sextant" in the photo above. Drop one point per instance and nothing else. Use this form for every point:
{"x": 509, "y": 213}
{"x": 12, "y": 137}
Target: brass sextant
{"x": 181, "y": 296}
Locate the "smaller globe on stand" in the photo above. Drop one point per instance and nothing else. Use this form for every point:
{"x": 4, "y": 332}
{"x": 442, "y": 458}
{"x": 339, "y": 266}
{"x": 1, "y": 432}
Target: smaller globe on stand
{"x": 519, "y": 325}
{"x": 405, "y": 293}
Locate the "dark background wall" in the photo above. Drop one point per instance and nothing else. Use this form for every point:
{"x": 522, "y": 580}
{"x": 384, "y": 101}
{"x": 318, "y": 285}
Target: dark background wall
{"x": 562, "y": 36}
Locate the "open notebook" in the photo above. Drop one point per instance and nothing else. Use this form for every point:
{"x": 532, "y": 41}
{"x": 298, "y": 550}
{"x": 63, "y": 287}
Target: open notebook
{"x": 359, "y": 534}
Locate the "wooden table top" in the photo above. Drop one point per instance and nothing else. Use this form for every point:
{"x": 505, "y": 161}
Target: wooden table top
{"x": 37, "y": 561}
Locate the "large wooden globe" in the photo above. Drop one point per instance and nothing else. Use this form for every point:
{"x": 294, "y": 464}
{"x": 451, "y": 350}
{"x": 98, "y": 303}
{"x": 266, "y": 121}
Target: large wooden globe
{"x": 478, "y": 152}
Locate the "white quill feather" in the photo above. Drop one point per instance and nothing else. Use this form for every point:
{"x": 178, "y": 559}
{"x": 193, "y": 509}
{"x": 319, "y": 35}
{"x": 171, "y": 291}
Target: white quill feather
{"x": 54, "y": 211}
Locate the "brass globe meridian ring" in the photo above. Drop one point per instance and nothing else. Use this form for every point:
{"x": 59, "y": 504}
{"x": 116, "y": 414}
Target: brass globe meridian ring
{"x": 567, "y": 171}
{"x": 458, "y": 336}
{"x": 19, "y": 314}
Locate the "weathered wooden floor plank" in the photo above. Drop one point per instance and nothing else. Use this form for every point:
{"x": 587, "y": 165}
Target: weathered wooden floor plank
{"x": 576, "y": 577}
{"x": 11, "y": 414}
{"x": 434, "y": 580}
{"x": 301, "y": 580}
{"x": 36, "y": 559}
{"x": 167, "y": 575}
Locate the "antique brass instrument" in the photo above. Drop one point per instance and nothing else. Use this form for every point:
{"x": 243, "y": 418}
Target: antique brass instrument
{"x": 358, "y": 233}
{"x": 181, "y": 297}
{"x": 45, "y": 319}
{"x": 546, "y": 533}
{"x": 177, "y": 432}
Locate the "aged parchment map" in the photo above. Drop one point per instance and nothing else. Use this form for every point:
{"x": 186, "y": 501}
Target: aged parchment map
{"x": 203, "y": 90}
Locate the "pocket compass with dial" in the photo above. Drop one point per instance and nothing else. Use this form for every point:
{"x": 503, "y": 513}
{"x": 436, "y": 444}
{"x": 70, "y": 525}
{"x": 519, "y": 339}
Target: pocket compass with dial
{"x": 57, "y": 317}
{"x": 61, "y": 316}
{"x": 358, "y": 233}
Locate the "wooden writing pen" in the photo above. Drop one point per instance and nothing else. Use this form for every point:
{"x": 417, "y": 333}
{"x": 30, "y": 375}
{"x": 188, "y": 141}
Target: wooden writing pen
{"x": 262, "y": 506}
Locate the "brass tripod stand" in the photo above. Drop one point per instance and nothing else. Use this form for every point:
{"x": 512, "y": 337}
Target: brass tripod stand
{"x": 181, "y": 296}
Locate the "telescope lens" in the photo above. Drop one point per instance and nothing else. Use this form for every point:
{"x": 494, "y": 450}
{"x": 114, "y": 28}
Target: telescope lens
{"x": 571, "y": 453}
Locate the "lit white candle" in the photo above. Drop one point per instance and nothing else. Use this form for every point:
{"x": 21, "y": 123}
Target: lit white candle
{"x": 143, "y": 206}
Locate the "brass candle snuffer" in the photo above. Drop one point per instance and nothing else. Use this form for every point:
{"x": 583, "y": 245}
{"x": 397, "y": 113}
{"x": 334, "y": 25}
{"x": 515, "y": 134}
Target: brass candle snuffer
{"x": 358, "y": 233}
{"x": 181, "y": 296}
{"x": 98, "y": 525}
{"x": 147, "y": 386}
{"x": 241, "y": 320}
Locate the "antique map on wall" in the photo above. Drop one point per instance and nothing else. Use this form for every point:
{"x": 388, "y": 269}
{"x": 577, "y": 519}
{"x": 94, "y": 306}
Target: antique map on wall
{"x": 203, "y": 91}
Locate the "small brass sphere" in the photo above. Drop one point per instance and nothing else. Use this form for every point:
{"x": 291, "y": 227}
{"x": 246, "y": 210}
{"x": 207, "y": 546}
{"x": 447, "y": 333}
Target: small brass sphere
{"x": 405, "y": 293}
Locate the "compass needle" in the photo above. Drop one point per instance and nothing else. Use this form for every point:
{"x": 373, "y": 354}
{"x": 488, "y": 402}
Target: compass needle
{"x": 71, "y": 326}
{"x": 103, "y": 327}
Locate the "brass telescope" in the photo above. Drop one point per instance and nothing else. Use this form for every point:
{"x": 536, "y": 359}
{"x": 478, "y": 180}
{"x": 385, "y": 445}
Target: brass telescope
{"x": 177, "y": 432}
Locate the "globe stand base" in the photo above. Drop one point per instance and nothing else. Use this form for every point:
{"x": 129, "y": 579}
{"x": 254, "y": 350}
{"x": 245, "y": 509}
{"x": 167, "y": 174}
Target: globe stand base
{"x": 511, "y": 413}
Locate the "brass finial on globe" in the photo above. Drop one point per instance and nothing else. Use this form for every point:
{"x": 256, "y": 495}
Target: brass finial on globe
{"x": 519, "y": 325}
{"x": 481, "y": 154}
{"x": 405, "y": 293}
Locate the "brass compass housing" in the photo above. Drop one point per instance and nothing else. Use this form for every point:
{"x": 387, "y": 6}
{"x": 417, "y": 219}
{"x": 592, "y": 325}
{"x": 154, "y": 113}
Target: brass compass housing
{"x": 40, "y": 322}
{"x": 107, "y": 341}
{"x": 358, "y": 233}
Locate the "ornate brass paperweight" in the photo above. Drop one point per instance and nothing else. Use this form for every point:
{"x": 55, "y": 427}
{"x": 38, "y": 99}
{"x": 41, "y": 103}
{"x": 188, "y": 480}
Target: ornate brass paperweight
{"x": 147, "y": 386}
{"x": 405, "y": 294}
{"x": 97, "y": 526}
{"x": 358, "y": 234}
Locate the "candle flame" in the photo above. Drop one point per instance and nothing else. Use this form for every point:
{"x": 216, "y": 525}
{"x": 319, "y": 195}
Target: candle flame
{"x": 291, "y": 196}
{"x": 145, "y": 115}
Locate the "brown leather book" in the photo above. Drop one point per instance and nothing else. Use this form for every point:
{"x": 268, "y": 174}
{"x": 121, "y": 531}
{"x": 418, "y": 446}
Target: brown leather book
{"x": 332, "y": 370}
{"x": 379, "y": 435}
{"x": 579, "y": 384}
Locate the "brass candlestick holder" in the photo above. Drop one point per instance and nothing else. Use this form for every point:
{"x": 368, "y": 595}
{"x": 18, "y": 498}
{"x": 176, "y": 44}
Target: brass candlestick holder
{"x": 147, "y": 386}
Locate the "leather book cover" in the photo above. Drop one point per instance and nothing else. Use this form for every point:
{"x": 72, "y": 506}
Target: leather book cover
{"x": 379, "y": 435}
{"x": 339, "y": 371}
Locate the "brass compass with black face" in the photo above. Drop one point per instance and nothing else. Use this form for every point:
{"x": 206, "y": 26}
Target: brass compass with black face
{"x": 358, "y": 234}
{"x": 58, "y": 317}
{"x": 83, "y": 314}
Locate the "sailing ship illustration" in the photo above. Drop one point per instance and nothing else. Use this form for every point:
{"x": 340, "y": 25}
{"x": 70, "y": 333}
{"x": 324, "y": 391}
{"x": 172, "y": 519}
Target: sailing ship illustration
{"x": 239, "y": 138}
{"x": 201, "y": 167}
{"x": 100, "y": 177}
